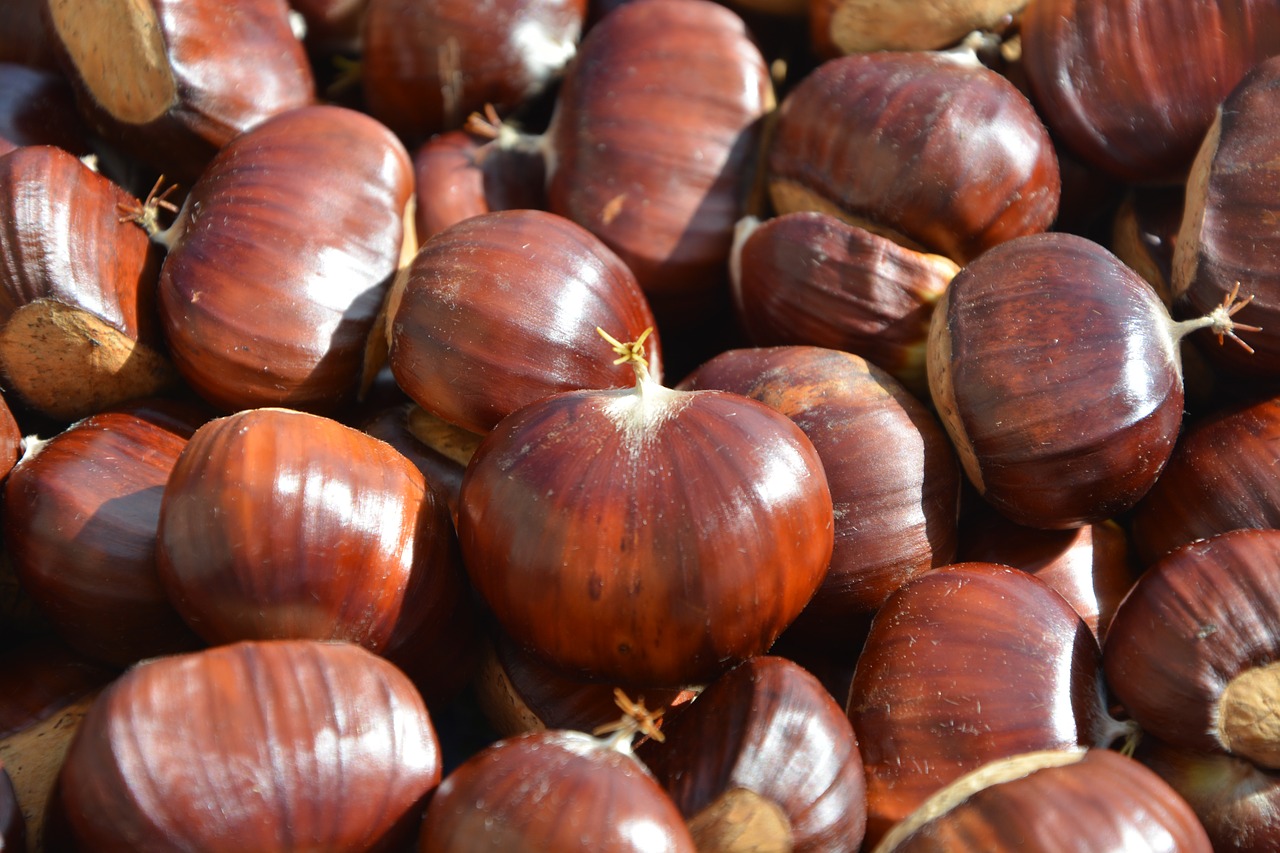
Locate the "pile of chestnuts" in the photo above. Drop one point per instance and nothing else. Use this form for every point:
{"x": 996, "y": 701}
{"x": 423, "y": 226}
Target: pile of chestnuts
{"x": 639, "y": 425}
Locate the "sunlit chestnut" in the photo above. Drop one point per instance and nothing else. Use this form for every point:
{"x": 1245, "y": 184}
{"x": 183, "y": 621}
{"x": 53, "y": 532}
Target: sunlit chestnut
{"x": 1053, "y": 800}
{"x": 172, "y": 81}
{"x": 357, "y": 548}
{"x": 938, "y": 152}
{"x": 764, "y": 757}
{"x": 81, "y": 512}
{"x": 442, "y": 464}
{"x": 672, "y": 533}
{"x": 281, "y": 257}
{"x": 894, "y": 478}
{"x": 1192, "y": 652}
{"x": 501, "y": 310}
{"x": 863, "y": 26}
{"x": 1131, "y": 85}
{"x": 1056, "y": 371}
{"x": 319, "y": 746}
{"x": 78, "y": 327}
{"x": 964, "y": 665}
{"x": 557, "y": 791}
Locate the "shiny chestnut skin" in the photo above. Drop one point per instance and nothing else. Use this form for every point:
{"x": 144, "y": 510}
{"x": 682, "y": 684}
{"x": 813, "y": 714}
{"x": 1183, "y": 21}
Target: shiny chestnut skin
{"x": 357, "y": 548}
{"x": 612, "y": 510}
{"x": 964, "y": 665}
{"x": 271, "y": 288}
{"x": 172, "y": 81}
{"x": 766, "y": 731}
{"x": 894, "y": 478}
{"x": 313, "y": 746}
{"x": 652, "y": 143}
{"x": 81, "y": 513}
{"x": 1192, "y": 652}
{"x": 1131, "y": 85}
{"x": 1055, "y": 369}
{"x": 501, "y": 310}
{"x": 937, "y": 152}
{"x": 428, "y": 64}
{"x": 1051, "y": 801}
{"x": 1221, "y": 477}
{"x": 1229, "y": 236}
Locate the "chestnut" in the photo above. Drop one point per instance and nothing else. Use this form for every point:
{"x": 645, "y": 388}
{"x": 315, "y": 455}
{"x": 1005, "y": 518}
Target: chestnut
{"x": 37, "y": 108}
{"x": 672, "y": 533}
{"x": 864, "y": 26}
{"x": 319, "y": 746}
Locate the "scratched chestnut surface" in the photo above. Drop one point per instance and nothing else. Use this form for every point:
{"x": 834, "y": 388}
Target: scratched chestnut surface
{"x": 1131, "y": 86}
{"x": 1064, "y": 379}
{"x": 950, "y": 156}
{"x": 282, "y": 255}
{"x": 769, "y": 727}
{"x": 501, "y": 310}
{"x": 895, "y": 482}
{"x": 964, "y": 665}
{"x": 313, "y": 746}
{"x": 80, "y": 520}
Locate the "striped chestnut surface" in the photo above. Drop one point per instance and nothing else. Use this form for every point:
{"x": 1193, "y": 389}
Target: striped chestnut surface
{"x": 646, "y": 535}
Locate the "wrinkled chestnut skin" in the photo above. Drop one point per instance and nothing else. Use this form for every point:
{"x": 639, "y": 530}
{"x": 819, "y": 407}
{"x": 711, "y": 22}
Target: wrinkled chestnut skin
{"x": 895, "y": 481}
{"x": 318, "y": 746}
{"x": 936, "y": 152}
{"x": 501, "y": 310}
{"x": 967, "y": 664}
{"x": 80, "y": 521}
{"x": 769, "y": 727}
{"x": 654, "y": 134}
{"x": 1131, "y": 85}
{"x": 1220, "y": 477}
{"x": 553, "y": 790}
{"x": 1054, "y": 369}
{"x": 281, "y": 260}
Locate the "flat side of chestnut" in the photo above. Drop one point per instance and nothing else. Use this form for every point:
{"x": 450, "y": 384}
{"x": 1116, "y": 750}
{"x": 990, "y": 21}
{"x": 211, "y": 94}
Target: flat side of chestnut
{"x": 863, "y": 26}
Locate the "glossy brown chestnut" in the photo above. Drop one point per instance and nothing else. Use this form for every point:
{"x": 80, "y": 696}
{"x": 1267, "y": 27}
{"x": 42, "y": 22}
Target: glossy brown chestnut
{"x": 501, "y": 310}
{"x": 764, "y": 756}
{"x": 172, "y": 81}
{"x": 936, "y": 151}
{"x": 1055, "y": 369}
{"x": 1229, "y": 234}
{"x": 441, "y": 468}
{"x": 357, "y": 547}
{"x": 77, "y": 288}
{"x": 319, "y": 746}
{"x": 1144, "y": 232}
{"x": 863, "y": 26}
{"x": 1220, "y": 477}
{"x": 812, "y": 279}
{"x": 652, "y": 144}
{"x": 1192, "y": 652}
{"x": 1049, "y": 801}
{"x": 428, "y": 64}
{"x": 554, "y": 792}
{"x": 281, "y": 257}
{"x": 1131, "y": 85}
{"x": 672, "y": 533}
{"x": 964, "y": 665}
{"x": 80, "y": 517}
{"x": 894, "y": 478}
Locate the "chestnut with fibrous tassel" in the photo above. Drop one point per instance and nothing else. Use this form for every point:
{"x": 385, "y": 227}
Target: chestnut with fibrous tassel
{"x": 557, "y": 791}
{"x": 1055, "y": 369}
{"x": 269, "y": 292}
{"x": 964, "y": 665}
{"x": 500, "y": 310}
{"x": 612, "y": 509}
{"x": 172, "y": 81}
{"x": 936, "y": 151}
{"x": 81, "y": 511}
{"x": 894, "y": 479}
{"x": 1049, "y": 801}
{"x": 764, "y": 759}
{"x": 314, "y": 746}
{"x": 1192, "y": 653}
{"x": 357, "y": 549}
